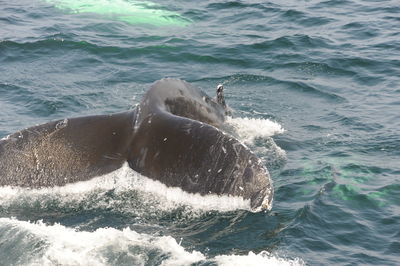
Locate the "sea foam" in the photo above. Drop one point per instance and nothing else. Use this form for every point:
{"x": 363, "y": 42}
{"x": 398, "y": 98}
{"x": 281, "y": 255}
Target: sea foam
{"x": 124, "y": 180}
{"x": 248, "y": 129}
{"x": 59, "y": 245}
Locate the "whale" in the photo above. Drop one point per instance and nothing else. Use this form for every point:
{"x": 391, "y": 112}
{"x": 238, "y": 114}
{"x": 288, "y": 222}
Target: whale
{"x": 174, "y": 135}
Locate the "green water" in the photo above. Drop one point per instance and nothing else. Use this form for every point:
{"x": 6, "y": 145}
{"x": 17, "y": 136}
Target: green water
{"x": 132, "y": 12}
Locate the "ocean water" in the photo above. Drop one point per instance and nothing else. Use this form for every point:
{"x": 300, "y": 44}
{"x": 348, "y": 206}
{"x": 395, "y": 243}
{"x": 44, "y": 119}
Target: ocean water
{"x": 314, "y": 87}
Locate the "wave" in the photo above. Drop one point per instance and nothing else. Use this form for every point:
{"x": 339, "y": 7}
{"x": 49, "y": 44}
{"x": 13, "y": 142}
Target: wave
{"x": 291, "y": 42}
{"x": 121, "y": 54}
{"x": 292, "y": 84}
{"x": 346, "y": 179}
{"x": 41, "y": 244}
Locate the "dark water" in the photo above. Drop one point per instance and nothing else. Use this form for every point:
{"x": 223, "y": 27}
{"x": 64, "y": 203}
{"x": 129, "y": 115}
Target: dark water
{"x": 327, "y": 71}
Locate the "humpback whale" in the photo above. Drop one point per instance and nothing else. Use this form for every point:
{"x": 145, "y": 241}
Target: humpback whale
{"x": 174, "y": 136}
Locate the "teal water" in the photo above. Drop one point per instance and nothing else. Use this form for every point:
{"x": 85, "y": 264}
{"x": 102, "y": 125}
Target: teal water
{"x": 328, "y": 72}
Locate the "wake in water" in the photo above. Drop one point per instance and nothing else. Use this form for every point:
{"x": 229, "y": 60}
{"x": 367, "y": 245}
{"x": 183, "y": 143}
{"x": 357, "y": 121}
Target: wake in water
{"x": 41, "y": 244}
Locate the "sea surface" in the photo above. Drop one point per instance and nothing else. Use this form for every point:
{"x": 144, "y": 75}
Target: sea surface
{"x": 315, "y": 91}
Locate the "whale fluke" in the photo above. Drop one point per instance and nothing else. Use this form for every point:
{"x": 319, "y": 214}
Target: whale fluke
{"x": 173, "y": 136}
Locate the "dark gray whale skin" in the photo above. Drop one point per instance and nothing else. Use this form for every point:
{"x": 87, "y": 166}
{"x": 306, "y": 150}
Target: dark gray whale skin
{"x": 172, "y": 136}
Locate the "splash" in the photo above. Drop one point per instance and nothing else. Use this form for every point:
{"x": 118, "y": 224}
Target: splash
{"x": 250, "y": 129}
{"x": 132, "y": 12}
{"x": 257, "y": 133}
{"x": 263, "y": 258}
{"x": 123, "y": 190}
{"x": 59, "y": 245}
{"x": 41, "y": 244}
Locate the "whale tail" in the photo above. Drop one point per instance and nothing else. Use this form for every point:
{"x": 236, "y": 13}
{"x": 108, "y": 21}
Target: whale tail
{"x": 64, "y": 151}
{"x": 171, "y": 137}
{"x": 199, "y": 158}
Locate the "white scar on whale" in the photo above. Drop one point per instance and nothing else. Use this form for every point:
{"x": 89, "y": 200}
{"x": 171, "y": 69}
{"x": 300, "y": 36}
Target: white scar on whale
{"x": 132, "y": 12}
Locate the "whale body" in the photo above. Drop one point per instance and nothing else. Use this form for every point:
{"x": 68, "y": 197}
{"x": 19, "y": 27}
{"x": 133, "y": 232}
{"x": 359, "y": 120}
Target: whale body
{"x": 174, "y": 136}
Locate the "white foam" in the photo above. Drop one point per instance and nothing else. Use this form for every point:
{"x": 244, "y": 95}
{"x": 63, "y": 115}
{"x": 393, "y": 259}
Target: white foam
{"x": 248, "y": 129}
{"x": 176, "y": 195}
{"x": 60, "y": 245}
{"x": 261, "y": 259}
{"x": 5, "y": 138}
{"x": 122, "y": 181}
